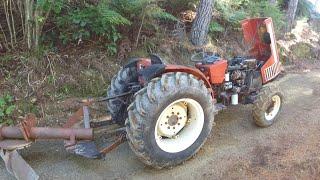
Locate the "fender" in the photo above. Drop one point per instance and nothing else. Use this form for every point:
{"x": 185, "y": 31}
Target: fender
{"x": 196, "y": 72}
{"x": 148, "y": 71}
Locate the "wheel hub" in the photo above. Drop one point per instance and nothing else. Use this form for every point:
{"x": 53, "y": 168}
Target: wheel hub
{"x": 274, "y": 107}
{"x": 173, "y": 120}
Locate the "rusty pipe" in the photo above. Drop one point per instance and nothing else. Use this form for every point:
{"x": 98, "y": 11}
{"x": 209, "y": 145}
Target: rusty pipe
{"x": 48, "y": 133}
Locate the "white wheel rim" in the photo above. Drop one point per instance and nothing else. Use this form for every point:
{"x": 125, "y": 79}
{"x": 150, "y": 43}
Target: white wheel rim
{"x": 179, "y": 125}
{"x": 276, "y": 100}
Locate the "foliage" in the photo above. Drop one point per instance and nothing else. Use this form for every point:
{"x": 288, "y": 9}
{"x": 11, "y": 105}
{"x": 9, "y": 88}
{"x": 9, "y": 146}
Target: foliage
{"x": 305, "y": 8}
{"x": 129, "y": 8}
{"x": 264, "y": 9}
{"x": 136, "y": 10}
{"x": 7, "y": 108}
{"x": 177, "y": 6}
{"x": 231, "y": 12}
{"x": 162, "y": 15}
{"x": 93, "y": 20}
{"x": 215, "y": 27}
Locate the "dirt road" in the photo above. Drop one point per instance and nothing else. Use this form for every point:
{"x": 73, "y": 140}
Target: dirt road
{"x": 236, "y": 149}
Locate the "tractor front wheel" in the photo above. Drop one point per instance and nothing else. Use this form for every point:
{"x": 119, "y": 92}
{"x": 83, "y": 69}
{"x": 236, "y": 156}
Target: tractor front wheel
{"x": 170, "y": 119}
{"x": 267, "y": 107}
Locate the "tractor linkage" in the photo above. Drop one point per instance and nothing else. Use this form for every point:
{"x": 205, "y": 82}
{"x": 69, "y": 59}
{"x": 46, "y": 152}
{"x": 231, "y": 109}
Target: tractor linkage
{"x": 79, "y": 141}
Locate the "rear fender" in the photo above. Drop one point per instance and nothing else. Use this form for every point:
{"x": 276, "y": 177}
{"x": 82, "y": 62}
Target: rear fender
{"x": 197, "y": 73}
{"x": 148, "y": 71}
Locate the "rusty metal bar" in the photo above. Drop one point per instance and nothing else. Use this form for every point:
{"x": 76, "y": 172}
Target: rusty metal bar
{"x": 120, "y": 140}
{"x": 47, "y": 133}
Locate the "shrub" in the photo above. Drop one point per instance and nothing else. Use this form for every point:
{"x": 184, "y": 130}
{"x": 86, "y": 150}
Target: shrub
{"x": 264, "y": 9}
{"x": 231, "y": 12}
{"x": 215, "y": 27}
{"x": 137, "y": 10}
{"x": 92, "y": 20}
{"x": 6, "y": 109}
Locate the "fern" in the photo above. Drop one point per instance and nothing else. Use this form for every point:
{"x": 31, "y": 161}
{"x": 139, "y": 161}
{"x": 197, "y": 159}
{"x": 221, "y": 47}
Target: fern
{"x": 264, "y": 9}
{"x": 162, "y": 15}
{"x": 233, "y": 11}
{"x": 90, "y": 21}
{"x": 215, "y": 27}
{"x": 112, "y": 17}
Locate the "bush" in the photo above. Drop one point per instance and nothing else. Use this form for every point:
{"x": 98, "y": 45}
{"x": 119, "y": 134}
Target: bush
{"x": 175, "y": 7}
{"x": 264, "y": 9}
{"x": 230, "y": 12}
{"x": 148, "y": 11}
{"x": 215, "y": 27}
{"x": 6, "y": 110}
{"x": 92, "y": 20}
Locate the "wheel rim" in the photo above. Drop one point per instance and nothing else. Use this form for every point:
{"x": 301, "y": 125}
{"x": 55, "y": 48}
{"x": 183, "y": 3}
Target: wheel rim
{"x": 274, "y": 108}
{"x": 179, "y": 125}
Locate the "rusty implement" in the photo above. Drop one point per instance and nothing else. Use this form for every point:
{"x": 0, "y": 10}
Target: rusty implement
{"x": 17, "y": 166}
{"x": 78, "y": 141}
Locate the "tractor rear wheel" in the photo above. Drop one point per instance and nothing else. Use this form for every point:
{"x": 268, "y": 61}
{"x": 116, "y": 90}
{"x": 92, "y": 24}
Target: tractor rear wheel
{"x": 170, "y": 119}
{"x": 267, "y": 107}
{"x": 120, "y": 84}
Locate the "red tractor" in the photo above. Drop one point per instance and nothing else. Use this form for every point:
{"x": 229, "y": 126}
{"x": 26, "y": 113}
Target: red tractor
{"x": 170, "y": 109}
{"x": 166, "y": 112}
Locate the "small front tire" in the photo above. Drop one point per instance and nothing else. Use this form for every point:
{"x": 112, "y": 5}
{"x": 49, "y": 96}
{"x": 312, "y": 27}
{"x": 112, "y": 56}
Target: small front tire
{"x": 267, "y": 107}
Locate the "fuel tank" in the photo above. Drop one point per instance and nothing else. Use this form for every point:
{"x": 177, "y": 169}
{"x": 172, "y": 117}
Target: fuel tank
{"x": 215, "y": 71}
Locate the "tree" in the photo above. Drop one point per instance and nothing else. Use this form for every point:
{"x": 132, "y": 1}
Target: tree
{"x": 291, "y": 14}
{"x": 201, "y": 23}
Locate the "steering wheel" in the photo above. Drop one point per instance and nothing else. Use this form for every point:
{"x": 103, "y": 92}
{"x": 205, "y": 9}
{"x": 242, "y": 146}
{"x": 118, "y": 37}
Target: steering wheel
{"x": 204, "y": 57}
{"x": 198, "y": 57}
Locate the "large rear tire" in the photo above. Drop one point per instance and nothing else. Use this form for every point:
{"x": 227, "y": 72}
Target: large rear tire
{"x": 267, "y": 107}
{"x": 120, "y": 84}
{"x": 170, "y": 119}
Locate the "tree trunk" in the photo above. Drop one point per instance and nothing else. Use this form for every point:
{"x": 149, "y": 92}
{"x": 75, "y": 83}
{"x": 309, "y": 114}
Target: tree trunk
{"x": 273, "y": 2}
{"x": 201, "y": 23}
{"x": 291, "y": 14}
{"x": 28, "y": 21}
